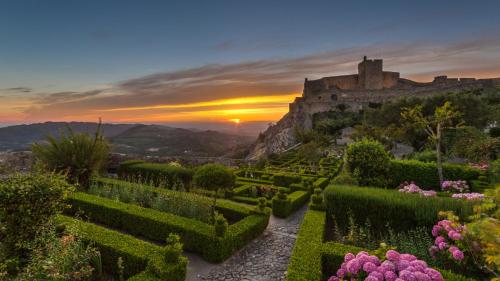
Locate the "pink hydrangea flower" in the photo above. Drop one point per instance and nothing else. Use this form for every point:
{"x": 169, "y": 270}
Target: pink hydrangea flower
{"x": 392, "y": 255}
{"x": 377, "y": 275}
{"x": 439, "y": 240}
{"x": 341, "y": 273}
{"x": 407, "y": 257}
{"x": 348, "y": 257}
{"x": 434, "y": 274}
{"x": 442, "y": 245}
{"x": 353, "y": 266}
{"x": 369, "y": 267}
{"x": 435, "y": 230}
{"x": 458, "y": 255}
{"x": 334, "y": 278}
{"x": 407, "y": 275}
{"x": 390, "y": 276}
{"x": 420, "y": 276}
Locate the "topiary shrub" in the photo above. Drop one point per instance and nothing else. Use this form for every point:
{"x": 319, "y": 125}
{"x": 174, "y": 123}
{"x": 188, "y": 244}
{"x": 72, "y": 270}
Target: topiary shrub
{"x": 282, "y": 193}
{"x": 368, "y": 162}
{"x": 173, "y": 248}
{"x": 262, "y": 204}
{"x": 317, "y": 198}
{"x": 214, "y": 177}
{"x": 220, "y": 225}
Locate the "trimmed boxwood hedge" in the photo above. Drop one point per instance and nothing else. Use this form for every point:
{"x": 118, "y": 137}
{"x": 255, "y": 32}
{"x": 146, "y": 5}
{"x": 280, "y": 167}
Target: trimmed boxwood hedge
{"x": 163, "y": 175}
{"x": 313, "y": 260}
{"x": 282, "y": 208}
{"x": 136, "y": 254}
{"x": 425, "y": 174}
{"x": 155, "y": 225}
{"x": 381, "y": 206}
{"x": 305, "y": 262}
{"x": 285, "y": 180}
{"x": 321, "y": 183}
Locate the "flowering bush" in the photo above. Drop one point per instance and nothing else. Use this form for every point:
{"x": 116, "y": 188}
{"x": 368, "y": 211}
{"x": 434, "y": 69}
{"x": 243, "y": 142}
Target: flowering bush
{"x": 455, "y": 186}
{"x": 413, "y": 188}
{"x": 481, "y": 166}
{"x": 395, "y": 267}
{"x": 469, "y": 196}
{"x": 448, "y": 235}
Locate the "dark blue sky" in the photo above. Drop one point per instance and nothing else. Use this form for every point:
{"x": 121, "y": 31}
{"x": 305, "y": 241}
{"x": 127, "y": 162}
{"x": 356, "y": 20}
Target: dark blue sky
{"x": 66, "y": 45}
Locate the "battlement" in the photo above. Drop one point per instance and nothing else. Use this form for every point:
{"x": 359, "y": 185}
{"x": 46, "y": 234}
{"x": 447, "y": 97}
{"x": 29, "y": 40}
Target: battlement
{"x": 370, "y": 77}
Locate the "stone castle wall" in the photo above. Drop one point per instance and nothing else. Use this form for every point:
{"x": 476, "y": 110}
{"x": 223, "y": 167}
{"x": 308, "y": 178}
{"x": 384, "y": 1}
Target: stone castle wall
{"x": 370, "y": 85}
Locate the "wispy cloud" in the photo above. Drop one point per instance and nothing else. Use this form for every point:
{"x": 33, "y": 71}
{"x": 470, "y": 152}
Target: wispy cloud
{"x": 16, "y": 90}
{"x": 252, "y": 88}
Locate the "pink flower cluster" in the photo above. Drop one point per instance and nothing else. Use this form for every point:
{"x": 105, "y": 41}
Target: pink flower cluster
{"x": 396, "y": 267}
{"x": 413, "y": 188}
{"x": 455, "y": 186}
{"x": 481, "y": 166}
{"x": 468, "y": 196}
{"x": 447, "y": 233}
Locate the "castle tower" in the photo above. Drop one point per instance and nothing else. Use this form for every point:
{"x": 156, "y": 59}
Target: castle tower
{"x": 370, "y": 74}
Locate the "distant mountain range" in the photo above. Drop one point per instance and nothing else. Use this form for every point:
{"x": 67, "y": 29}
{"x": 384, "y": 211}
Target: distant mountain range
{"x": 138, "y": 139}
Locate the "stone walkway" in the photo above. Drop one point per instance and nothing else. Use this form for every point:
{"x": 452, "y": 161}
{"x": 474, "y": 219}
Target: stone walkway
{"x": 264, "y": 259}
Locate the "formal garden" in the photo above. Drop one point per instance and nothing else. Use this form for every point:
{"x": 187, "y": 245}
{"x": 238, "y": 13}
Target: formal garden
{"x": 321, "y": 211}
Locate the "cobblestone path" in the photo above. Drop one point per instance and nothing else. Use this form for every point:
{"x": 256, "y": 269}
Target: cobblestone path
{"x": 264, "y": 259}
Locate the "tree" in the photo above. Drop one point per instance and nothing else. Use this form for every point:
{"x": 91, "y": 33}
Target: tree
{"x": 310, "y": 152}
{"x": 368, "y": 162}
{"x": 78, "y": 155}
{"x": 214, "y": 177}
{"x": 444, "y": 117}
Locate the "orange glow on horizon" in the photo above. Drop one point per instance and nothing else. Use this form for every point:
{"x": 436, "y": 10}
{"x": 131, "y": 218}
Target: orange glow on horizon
{"x": 288, "y": 98}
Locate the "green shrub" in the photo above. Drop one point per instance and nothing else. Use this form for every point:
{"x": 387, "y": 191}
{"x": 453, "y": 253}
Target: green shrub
{"x": 317, "y": 197}
{"x": 321, "y": 183}
{"x": 28, "y": 205}
{"x": 345, "y": 178}
{"x": 424, "y": 156}
{"x": 285, "y": 180}
{"x": 494, "y": 171}
{"x": 281, "y": 207}
{"x": 368, "y": 162}
{"x": 401, "y": 211}
{"x": 196, "y": 236}
{"x": 161, "y": 175}
{"x": 220, "y": 225}
{"x": 78, "y": 155}
{"x": 284, "y": 205}
{"x": 135, "y": 254}
{"x": 173, "y": 248}
{"x": 305, "y": 262}
{"x": 425, "y": 175}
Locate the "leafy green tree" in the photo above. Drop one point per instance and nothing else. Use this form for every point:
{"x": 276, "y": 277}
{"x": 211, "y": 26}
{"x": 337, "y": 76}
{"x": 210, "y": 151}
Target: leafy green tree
{"x": 310, "y": 152}
{"x": 215, "y": 177}
{"x": 78, "y": 155}
{"x": 444, "y": 117}
{"x": 368, "y": 162}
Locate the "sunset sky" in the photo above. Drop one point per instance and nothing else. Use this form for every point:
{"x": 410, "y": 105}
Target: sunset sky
{"x": 221, "y": 61}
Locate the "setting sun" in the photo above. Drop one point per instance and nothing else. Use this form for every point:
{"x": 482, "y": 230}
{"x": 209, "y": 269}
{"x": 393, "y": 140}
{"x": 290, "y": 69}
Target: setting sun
{"x": 235, "y": 120}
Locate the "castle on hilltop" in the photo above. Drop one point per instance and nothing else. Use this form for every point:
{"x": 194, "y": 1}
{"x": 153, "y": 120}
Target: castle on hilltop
{"x": 371, "y": 85}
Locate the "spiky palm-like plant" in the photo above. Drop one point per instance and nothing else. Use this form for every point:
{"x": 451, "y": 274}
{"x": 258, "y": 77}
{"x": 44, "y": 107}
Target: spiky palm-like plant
{"x": 78, "y": 155}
